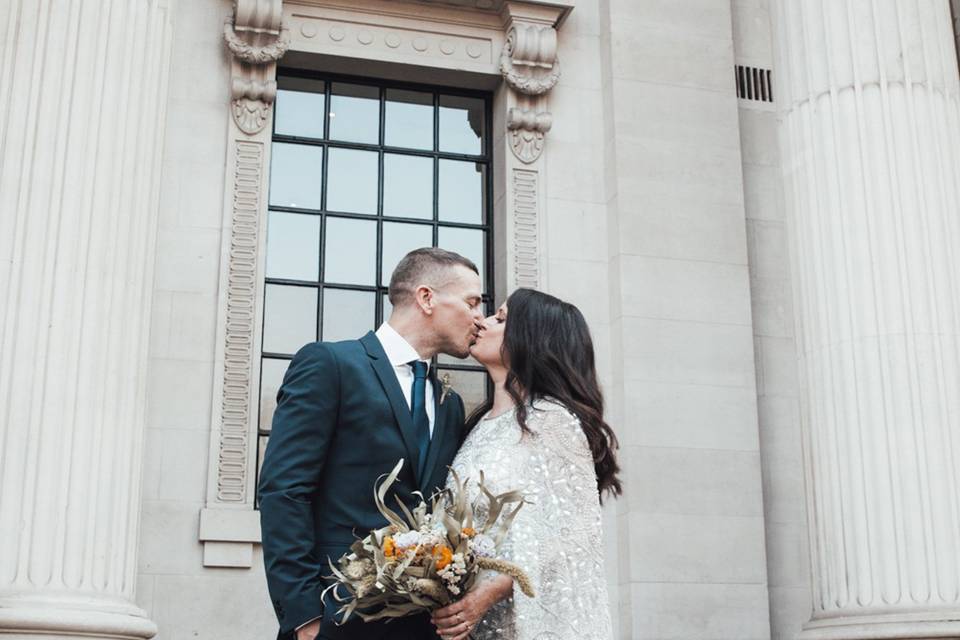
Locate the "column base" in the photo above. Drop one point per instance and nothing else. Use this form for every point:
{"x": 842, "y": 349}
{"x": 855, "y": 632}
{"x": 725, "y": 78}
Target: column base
{"x": 885, "y": 626}
{"x": 62, "y": 618}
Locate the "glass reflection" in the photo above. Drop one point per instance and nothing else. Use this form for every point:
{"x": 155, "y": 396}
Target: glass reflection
{"x": 354, "y": 113}
{"x": 407, "y": 186}
{"x": 299, "y": 107}
{"x": 466, "y": 242}
{"x": 461, "y": 192}
{"x": 350, "y": 251}
{"x": 469, "y": 385}
{"x": 347, "y": 314}
{"x": 387, "y": 308}
{"x": 271, "y": 377}
{"x": 352, "y": 181}
{"x": 289, "y": 318}
{"x": 408, "y": 119}
{"x": 398, "y": 240}
{"x": 261, "y": 451}
{"x": 296, "y": 174}
{"x": 293, "y": 246}
{"x": 461, "y": 124}
{"x": 444, "y": 358}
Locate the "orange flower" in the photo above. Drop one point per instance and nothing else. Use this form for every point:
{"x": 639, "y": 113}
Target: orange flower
{"x": 389, "y": 548}
{"x": 468, "y": 531}
{"x": 444, "y": 556}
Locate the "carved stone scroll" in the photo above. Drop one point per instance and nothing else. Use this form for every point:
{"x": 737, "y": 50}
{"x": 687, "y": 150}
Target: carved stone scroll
{"x": 530, "y": 67}
{"x": 256, "y": 41}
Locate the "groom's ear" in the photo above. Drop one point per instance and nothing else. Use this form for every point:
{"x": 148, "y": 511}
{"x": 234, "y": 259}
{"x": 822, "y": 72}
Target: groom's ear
{"x": 424, "y": 297}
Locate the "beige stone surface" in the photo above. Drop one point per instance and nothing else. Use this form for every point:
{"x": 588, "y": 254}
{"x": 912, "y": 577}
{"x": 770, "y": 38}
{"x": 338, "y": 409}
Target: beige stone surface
{"x": 660, "y": 213}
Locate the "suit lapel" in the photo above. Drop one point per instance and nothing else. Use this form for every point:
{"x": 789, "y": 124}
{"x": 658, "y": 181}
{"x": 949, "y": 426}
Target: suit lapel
{"x": 388, "y": 380}
{"x": 439, "y": 432}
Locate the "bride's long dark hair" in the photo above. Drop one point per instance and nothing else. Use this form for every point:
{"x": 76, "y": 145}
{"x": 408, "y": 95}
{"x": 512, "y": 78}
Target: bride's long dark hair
{"x": 547, "y": 344}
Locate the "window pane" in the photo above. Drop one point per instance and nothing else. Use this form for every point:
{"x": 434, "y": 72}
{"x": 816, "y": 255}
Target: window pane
{"x": 408, "y": 119}
{"x": 444, "y": 358}
{"x": 289, "y": 318}
{"x": 387, "y": 308}
{"x": 352, "y": 181}
{"x": 461, "y": 191}
{"x": 466, "y": 242}
{"x": 407, "y": 186}
{"x": 293, "y": 246}
{"x": 299, "y": 109}
{"x": 461, "y": 124}
{"x": 398, "y": 240}
{"x": 296, "y": 172}
{"x": 469, "y": 385}
{"x": 261, "y": 451}
{"x": 271, "y": 377}
{"x": 347, "y": 315}
{"x": 354, "y": 113}
{"x": 350, "y": 251}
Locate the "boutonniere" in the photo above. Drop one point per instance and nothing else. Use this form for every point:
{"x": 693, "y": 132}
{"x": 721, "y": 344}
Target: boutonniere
{"x": 445, "y": 387}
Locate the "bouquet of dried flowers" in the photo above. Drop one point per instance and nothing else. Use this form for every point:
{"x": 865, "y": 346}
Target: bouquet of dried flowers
{"x": 425, "y": 559}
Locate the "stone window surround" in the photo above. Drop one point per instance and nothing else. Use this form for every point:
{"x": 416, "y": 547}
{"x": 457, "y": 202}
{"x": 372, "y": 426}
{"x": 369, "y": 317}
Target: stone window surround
{"x": 506, "y": 46}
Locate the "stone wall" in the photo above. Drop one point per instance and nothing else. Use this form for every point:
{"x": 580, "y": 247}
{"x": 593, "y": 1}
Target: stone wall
{"x": 691, "y": 529}
{"x": 645, "y": 229}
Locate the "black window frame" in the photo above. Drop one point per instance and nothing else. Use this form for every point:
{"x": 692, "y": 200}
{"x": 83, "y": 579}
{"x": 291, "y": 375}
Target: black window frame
{"x": 380, "y": 288}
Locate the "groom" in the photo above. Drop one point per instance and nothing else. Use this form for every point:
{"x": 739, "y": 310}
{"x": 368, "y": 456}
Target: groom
{"x": 346, "y": 413}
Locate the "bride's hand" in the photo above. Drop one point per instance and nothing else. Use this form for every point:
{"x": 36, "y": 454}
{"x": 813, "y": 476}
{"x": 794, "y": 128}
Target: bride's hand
{"x": 456, "y": 621}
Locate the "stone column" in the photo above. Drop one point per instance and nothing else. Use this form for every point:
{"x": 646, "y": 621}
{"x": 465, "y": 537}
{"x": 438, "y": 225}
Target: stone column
{"x": 870, "y": 146}
{"x": 82, "y": 97}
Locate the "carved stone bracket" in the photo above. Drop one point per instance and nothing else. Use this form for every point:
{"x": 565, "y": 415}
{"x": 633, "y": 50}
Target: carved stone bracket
{"x": 256, "y": 40}
{"x": 529, "y": 61}
{"x": 530, "y": 69}
{"x": 530, "y": 66}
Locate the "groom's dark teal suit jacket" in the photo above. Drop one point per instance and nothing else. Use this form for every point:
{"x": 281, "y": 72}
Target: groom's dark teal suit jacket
{"x": 341, "y": 422}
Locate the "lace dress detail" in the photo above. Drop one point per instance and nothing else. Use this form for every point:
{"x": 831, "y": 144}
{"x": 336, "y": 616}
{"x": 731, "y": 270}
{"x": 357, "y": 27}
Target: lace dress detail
{"x": 557, "y": 538}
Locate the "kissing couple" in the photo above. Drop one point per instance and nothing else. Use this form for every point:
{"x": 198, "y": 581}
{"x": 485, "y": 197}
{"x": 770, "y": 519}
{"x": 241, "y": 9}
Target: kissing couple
{"x": 348, "y": 411}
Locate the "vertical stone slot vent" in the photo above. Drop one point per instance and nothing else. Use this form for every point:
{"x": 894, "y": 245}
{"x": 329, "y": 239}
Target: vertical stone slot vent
{"x": 753, "y": 83}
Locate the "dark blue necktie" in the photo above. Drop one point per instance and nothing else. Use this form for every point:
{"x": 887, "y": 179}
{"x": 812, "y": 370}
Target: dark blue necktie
{"x": 418, "y": 409}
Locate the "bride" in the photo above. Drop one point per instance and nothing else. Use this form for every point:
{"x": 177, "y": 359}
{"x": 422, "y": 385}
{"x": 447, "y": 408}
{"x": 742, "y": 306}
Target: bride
{"x": 543, "y": 434}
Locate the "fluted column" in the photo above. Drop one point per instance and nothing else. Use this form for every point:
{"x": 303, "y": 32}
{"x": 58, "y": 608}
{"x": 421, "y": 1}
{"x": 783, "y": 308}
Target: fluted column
{"x": 82, "y": 95}
{"x": 870, "y": 142}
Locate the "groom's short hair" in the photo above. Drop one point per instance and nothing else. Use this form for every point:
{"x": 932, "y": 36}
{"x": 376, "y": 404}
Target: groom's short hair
{"x": 424, "y": 266}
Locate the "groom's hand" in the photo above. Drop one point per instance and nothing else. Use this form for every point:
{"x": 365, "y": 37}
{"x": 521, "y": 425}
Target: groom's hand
{"x": 309, "y": 631}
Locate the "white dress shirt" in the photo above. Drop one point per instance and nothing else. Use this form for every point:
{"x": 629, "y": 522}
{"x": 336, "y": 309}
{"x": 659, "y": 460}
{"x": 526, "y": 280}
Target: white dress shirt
{"x": 399, "y": 353}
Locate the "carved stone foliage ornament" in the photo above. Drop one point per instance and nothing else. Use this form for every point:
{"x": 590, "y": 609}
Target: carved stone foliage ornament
{"x": 530, "y": 66}
{"x": 256, "y": 40}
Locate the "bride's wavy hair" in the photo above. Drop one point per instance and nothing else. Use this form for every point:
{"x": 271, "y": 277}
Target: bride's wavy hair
{"x": 547, "y": 344}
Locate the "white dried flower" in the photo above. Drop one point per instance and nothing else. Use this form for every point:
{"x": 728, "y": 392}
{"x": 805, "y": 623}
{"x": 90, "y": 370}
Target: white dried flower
{"x": 483, "y": 546}
{"x": 407, "y": 539}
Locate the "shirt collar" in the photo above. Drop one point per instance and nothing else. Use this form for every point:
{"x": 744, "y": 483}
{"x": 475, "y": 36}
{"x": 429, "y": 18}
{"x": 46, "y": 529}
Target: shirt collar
{"x": 398, "y": 350}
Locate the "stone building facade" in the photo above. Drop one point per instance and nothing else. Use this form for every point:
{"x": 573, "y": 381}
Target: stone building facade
{"x": 756, "y": 204}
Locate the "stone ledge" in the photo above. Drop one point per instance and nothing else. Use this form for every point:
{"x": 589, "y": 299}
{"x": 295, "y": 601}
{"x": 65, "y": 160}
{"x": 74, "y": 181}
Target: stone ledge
{"x": 228, "y": 536}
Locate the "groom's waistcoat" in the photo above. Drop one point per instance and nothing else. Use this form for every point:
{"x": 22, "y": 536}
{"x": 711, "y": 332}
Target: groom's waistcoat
{"x": 341, "y": 422}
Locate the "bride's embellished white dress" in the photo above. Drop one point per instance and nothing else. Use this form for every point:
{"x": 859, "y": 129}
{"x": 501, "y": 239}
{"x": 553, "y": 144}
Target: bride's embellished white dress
{"x": 556, "y": 539}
